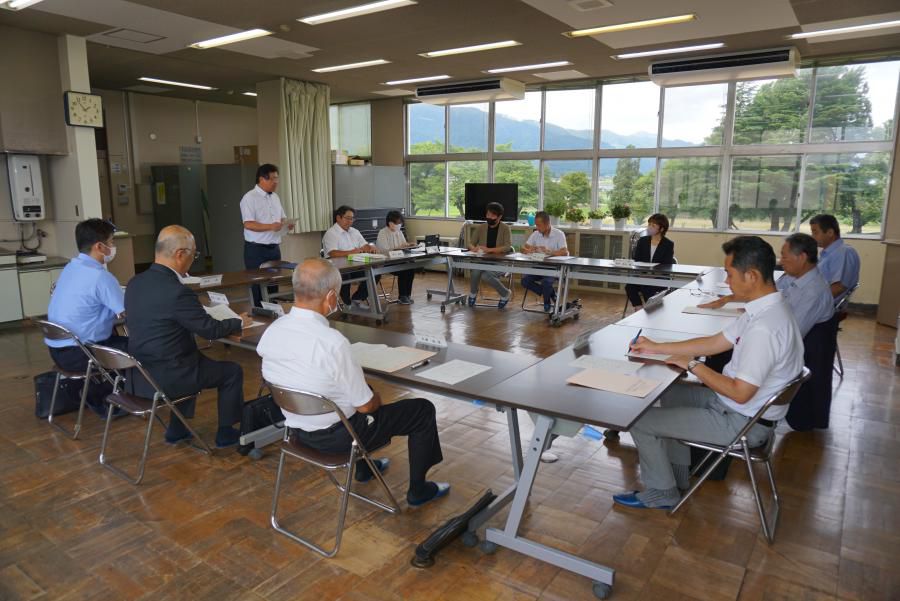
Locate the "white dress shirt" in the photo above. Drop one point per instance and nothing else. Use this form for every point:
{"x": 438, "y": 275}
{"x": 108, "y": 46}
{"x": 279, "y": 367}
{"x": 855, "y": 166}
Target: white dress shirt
{"x": 554, "y": 240}
{"x": 768, "y": 352}
{"x": 301, "y": 351}
{"x": 390, "y": 240}
{"x": 809, "y": 297}
{"x": 262, "y": 207}
{"x": 337, "y": 238}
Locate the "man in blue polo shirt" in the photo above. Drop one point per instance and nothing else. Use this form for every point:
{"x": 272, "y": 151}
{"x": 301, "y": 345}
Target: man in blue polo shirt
{"x": 838, "y": 262}
{"x": 87, "y": 299}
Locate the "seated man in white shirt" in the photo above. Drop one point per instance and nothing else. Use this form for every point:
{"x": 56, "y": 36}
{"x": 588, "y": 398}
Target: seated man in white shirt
{"x": 550, "y": 241}
{"x": 768, "y": 353}
{"x": 340, "y": 240}
{"x": 301, "y": 351}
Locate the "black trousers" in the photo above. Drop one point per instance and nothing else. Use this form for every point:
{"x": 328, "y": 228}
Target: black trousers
{"x": 404, "y": 281}
{"x": 362, "y": 291}
{"x": 637, "y": 293}
{"x": 71, "y": 358}
{"x": 254, "y": 256}
{"x": 811, "y": 408}
{"x": 413, "y": 418}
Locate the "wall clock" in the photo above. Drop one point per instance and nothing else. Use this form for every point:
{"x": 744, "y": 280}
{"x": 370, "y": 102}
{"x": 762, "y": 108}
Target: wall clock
{"x": 84, "y": 110}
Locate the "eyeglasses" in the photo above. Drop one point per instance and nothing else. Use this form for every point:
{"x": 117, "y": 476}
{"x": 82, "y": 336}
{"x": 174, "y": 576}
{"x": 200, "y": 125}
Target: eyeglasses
{"x": 351, "y": 218}
{"x": 188, "y": 250}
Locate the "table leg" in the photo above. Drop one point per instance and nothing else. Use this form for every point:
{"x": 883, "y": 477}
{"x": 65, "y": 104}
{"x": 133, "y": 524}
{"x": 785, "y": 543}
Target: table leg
{"x": 515, "y": 441}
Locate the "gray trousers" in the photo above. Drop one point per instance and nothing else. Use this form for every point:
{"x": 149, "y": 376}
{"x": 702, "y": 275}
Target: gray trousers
{"x": 688, "y": 412}
{"x": 490, "y": 278}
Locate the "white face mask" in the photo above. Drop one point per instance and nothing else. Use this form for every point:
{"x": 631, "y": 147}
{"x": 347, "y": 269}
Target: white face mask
{"x": 332, "y": 311}
{"x": 652, "y": 230}
{"x": 112, "y": 254}
{"x": 394, "y": 226}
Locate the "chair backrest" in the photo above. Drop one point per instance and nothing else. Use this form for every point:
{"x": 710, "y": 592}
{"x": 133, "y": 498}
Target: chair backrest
{"x": 787, "y": 393}
{"x": 301, "y": 402}
{"x": 633, "y": 240}
{"x": 111, "y": 359}
{"x": 54, "y": 331}
{"x": 841, "y": 305}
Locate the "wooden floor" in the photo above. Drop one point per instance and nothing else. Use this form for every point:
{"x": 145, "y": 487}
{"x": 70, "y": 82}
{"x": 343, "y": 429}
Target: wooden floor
{"x": 197, "y": 528}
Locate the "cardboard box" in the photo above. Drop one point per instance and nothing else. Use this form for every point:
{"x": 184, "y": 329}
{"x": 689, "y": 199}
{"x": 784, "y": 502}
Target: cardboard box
{"x": 246, "y": 155}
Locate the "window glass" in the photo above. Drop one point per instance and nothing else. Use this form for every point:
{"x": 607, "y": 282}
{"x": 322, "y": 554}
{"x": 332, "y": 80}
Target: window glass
{"x": 694, "y": 115}
{"x": 425, "y": 126}
{"x": 517, "y": 124}
{"x": 570, "y": 119}
{"x": 852, "y": 187}
{"x": 629, "y": 116}
{"x": 469, "y": 127}
{"x": 629, "y": 182}
{"x": 689, "y": 191}
{"x": 524, "y": 173}
{"x": 334, "y": 127}
{"x": 355, "y": 129}
{"x": 427, "y": 189}
{"x": 772, "y": 111}
{"x": 461, "y": 173}
{"x": 568, "y": 182}
{"x": 855, "y": 102}
{"x": 764, "y": 193}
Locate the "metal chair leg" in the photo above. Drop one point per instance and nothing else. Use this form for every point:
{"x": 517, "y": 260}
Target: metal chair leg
{"x": 625, "y": 308}
{"x": 143, "y": 461}
{"x": 699, "y": 481}
{"x": 839, "y": 368}
{"x": 84, "y": 390}
{"x": 393, "y": 508}
{"x": 768, "y": 530}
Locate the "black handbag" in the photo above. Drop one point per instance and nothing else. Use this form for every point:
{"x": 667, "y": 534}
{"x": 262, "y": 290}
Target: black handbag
{"x": 68, "y": 398}
{"x": 257, "y": 414}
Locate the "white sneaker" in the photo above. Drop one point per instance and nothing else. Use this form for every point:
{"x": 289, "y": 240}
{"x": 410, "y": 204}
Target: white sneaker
{"x": 361, "y": 304}
{"x": 549, "y": 457}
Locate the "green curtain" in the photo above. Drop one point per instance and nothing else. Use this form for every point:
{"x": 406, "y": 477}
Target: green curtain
{"x": 305, "y": 149}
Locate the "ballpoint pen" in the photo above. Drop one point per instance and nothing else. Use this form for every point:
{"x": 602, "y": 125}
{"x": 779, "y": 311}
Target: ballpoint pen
{"x": 421, "y": 364}
{"x": 635, "y": 339}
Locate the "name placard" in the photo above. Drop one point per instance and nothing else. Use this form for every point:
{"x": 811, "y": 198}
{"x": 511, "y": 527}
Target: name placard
{"x": 431, "y": 341}
{"x": 396, "y": 254}
{"x": 273, "y": 307}
{"x": 624, "y": 262}
{"x": 217, "y": 298}
{"x": 210, "y": 280}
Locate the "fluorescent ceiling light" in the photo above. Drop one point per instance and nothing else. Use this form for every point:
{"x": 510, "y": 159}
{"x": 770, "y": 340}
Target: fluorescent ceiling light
{"x": 843, "y": 30}
{"x": 529, "y": 67}
{"x": 372, "y": 63}
{"x": 17, "y": 4}
{"x": 476, "y": 48}
{"x": 632, "y": 25}
{"x": 668, "y": 51}
{"x": 356, "y": 11}
{"x": 175, "y": 83}
{"x": 250, "y": 94}
{"x": 231, "y": 38}
{"x": 399, "y": 82}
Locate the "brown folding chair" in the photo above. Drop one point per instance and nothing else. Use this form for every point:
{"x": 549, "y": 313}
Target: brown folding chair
{"x": 308, "y": 403}
{"x": 740, "y": 449}
{"x": 114, "y": 360}
{"x": 54, "y": 331}
{"x": 840, "y": 309}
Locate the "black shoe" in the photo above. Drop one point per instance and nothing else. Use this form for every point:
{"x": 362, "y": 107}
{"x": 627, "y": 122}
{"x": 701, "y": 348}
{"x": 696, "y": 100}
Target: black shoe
{"x": 436, "y": 490}
{"x": 364, "y": 472}
{"x": 227, "y": 437}
{"x": 176, "y": 438}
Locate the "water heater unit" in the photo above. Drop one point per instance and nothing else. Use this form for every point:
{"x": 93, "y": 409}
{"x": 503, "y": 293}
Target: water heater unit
{"x": 25, "y": 187}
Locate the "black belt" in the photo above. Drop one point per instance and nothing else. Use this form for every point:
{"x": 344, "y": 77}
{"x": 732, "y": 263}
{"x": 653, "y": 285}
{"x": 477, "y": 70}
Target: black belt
{"x": 767, "y": 422}
{"x": 258, "y": 244}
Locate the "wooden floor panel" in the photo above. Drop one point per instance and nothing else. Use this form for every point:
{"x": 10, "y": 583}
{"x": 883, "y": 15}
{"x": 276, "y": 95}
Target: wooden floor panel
{"x": 198, "y": 527}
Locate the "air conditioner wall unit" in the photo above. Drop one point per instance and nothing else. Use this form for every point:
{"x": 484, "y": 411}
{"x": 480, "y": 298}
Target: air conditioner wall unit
{"x": 738, "y": 66}
{"x": 484, "y": 90}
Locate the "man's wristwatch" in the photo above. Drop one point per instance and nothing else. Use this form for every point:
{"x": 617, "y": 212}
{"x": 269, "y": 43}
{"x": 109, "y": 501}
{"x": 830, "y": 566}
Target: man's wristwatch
{"x": 692, "y": 364}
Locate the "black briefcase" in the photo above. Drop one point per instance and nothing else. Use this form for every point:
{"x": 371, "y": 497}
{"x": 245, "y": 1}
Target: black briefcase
{"x": 68, "y": 398}
{"x": 259, "y": 413}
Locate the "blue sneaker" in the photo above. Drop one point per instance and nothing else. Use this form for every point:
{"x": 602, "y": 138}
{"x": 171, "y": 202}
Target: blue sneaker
{"x": 364, "y": 472}
{"x": 503, "y": 302}
{"x": 440, "y": 490}
{"x": 471, "y": 301}
{"x": 631, "y": 500}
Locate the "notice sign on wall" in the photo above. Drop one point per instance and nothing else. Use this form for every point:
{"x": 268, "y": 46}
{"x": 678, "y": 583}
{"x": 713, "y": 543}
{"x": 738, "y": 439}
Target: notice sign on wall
{"x": 190, "y": 154}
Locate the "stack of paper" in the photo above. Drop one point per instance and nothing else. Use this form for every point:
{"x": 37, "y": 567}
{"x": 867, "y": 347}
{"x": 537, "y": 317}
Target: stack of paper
{"x": 611, "y": 381}
{"x": 604, "y": 363}
{"x": 454, "y": 372}
{"x": 729, "y": 310}
{"x": 223, "y": 312}
{"x": 382, "y": 357}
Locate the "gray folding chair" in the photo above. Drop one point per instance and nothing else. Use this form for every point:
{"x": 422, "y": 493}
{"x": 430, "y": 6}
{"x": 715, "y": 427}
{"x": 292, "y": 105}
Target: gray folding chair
{"x": 114, "y": 360}
{"x": 740, "y": 449}
{"x": 308, "y": 403}
{"x": 840, "y": 309}
{"x": 54, "y": 331}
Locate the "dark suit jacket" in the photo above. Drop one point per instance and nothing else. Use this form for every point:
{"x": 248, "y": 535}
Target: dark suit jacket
{"x": 162, "y": 316}
{"x": 665, "y": 252}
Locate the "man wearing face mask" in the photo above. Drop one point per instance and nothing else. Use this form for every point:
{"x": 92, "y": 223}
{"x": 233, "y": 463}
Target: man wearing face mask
{"x": 493, "y": 237}
{"x": 163, "y": 317}
{"x": 391, "y": 238}
{"x": 300, "y": 350}
{"x": 87, "y": 298}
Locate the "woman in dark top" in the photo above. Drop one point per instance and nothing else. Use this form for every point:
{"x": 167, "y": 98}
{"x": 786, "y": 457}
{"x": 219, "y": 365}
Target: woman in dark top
{"x": 652, "y": 248}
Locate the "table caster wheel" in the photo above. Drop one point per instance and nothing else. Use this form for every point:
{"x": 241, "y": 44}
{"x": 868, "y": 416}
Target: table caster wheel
{"x": 428, "y": 296}
{"x": 443, "y": 308}
{"x": 602, "y": 590}
{"x": 255, "y": 454}
{"x": 488, "y": 547}
{"x": 470, "y": 539}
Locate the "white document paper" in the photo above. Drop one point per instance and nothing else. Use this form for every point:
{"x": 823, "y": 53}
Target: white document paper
{"x": 607, "y": 364}
{"x": 382, "y": 357}
{"x": 560, "y": 258}
{"x": 454, "y": 371}
{"x": 729, "y": 310}
{"x": 655, "y": 356}
{"x": 646, "y": 265}
{"x": 221, "y": 312}
{"x": 613, "y": 382}
{"x": 190, "y": 279}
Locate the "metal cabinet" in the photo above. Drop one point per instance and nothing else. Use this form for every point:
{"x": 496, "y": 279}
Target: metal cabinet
{"x": 35, "y": 288}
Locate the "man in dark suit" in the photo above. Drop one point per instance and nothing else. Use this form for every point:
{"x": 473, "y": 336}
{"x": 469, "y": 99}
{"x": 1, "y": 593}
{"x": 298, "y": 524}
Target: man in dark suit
{"x": 162, "y": 316}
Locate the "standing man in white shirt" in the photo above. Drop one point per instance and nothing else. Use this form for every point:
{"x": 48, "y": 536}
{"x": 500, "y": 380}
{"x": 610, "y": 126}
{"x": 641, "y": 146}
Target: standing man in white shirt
{"x": 768, "y": 353}
{"x": 342, "y": 239}
{"x": 264, "y": 223}
{"x": 550, "y": 241}
{"x": 300, "y": 350}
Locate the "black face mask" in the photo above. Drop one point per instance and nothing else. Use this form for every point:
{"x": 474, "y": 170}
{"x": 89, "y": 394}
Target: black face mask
{"x": 491, "y": 222}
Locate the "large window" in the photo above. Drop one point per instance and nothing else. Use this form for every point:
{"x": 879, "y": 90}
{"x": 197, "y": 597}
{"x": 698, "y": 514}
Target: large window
{"x": 758, "y": 156}
{"x": 351, "y": 128}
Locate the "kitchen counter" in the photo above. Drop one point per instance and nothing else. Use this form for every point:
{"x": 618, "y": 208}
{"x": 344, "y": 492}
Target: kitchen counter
{"x": 50, "y": 263}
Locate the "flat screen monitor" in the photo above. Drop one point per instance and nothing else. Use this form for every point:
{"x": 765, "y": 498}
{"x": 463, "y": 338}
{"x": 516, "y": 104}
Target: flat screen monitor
{"x": 479, "y": 195}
